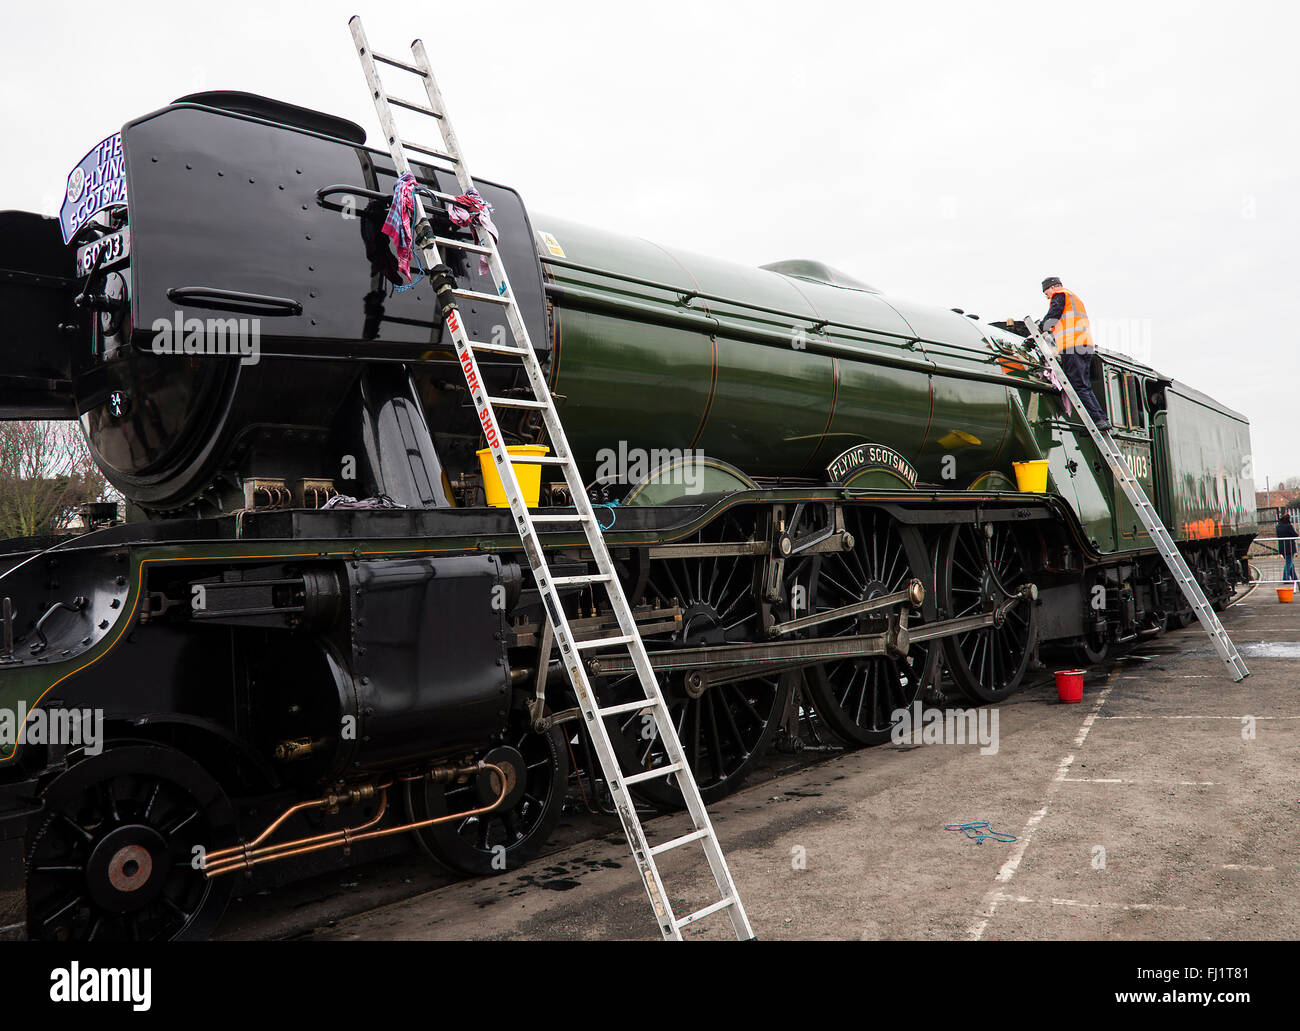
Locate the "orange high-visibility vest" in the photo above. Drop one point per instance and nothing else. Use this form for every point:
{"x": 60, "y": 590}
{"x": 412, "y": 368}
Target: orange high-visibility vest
{"x": 1072, "y": 330}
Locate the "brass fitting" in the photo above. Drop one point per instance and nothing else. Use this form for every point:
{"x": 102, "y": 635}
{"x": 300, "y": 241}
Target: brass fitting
{"x": 336, "y": 800}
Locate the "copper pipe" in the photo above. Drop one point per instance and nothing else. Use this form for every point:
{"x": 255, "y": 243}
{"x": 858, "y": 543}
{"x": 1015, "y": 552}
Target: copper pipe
{"x": 244, "y": 856}
{"x": 330, "y": 799}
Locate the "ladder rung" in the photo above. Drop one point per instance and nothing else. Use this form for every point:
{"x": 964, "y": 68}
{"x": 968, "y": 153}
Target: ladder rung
{"x": 576, "y": 517}
{"x": 570, "y": 581}
{"x": 464, "y": 245}
{"x": 396, "y": 63}
{"x": 517, "y": 402}
{"x": 411, "y": 105}
{"x": 685, "y": 839}
{"x": 618, "y": 710}
{"x": 518, "y": 352}
{"x": 446, "y": 198}
{"x": 538, "y": 460}
{"x": 700, "y": 914}
{"x": 471, "y": 295}
{"x": 433, "y": 152}
{"x": 604, "y": 642}
{"x": 658, "y": 771}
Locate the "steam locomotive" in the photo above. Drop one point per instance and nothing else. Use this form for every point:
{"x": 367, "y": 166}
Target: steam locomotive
{"x": 311, "y": 636}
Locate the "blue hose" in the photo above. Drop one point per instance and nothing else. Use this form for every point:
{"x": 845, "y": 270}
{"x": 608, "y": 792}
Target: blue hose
{"x": 612, "y": 515}
{"x": 978, "y": 830}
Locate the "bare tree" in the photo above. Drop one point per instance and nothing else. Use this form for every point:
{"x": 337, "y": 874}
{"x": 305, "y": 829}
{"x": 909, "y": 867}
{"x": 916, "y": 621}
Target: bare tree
{"x": 45, "y": 472}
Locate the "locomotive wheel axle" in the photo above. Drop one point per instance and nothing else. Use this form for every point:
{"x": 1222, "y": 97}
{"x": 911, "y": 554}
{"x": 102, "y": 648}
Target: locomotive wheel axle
{"x": 725, "y": 662}
{"x": 912, "y": 595}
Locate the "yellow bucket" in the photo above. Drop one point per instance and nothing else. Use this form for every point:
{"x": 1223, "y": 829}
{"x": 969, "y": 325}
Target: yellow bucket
{"x": 1031, "y": 477}
{"x": 528, "y": 475}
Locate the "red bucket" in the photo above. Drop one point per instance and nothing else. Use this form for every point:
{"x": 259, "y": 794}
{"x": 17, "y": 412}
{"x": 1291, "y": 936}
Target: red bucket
{"x": 1069, "y": 685}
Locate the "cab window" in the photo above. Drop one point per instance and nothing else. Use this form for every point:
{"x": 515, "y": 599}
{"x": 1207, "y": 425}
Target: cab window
{"x": 1115, "y": 397}
{"x": 1124, "y": 400}
{"x": 1134, "y": 411}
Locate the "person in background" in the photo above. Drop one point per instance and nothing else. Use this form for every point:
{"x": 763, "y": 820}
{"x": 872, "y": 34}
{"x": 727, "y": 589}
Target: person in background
{"x": 1067, "y": 321}
{"x": 1286, "y": 537}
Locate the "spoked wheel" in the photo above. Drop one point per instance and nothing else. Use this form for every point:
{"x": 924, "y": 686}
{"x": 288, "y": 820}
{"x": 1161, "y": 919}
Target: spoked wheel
{"x": 1182, "y": 616}
{"x": 723, "y": 727}
{"x": 1093, "y": 648}
{"x": 113, "y": 858}
{"x": 505, "y": 839}
{"x": 1217, "y": 578}
{"x": 987, "y": 664}
{"x": 857, "y": 698}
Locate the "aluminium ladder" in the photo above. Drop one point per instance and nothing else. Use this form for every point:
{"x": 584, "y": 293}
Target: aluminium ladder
{"x": 583, "y": 515}
{"x": 1145, "y": 511}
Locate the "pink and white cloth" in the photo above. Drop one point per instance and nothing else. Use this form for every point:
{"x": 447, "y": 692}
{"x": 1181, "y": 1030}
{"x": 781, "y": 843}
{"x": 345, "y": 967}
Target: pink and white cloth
{"x": 397, "y": 226}
{"x": 1051, "y": 378}
{"x": 471, "y": 211}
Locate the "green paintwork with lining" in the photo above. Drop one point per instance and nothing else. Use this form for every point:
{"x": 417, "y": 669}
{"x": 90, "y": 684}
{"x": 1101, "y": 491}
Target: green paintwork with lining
{"x": 777, "y": 374}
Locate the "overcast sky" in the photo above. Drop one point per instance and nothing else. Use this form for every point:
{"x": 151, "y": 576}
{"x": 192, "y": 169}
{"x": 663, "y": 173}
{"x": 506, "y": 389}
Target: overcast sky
{"x": 954, "y": 153}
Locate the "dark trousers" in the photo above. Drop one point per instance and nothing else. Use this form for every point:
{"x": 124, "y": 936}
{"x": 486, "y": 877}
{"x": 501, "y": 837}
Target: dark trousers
{"x": 1078, "y": 368}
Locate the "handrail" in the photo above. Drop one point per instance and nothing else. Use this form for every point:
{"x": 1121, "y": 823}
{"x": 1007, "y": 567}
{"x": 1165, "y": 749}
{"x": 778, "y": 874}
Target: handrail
{"x": 361, "y": 191}
{"x": 685, "y": 296}
{"x": 694, "y": 319}
{"x": 235, "y": 300}
{"x": 817, "y": 325}
{"x": 355, "y": 191}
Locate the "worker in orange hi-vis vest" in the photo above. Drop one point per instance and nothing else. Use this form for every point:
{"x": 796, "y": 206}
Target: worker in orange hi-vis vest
{"x": 1067, "y": 321}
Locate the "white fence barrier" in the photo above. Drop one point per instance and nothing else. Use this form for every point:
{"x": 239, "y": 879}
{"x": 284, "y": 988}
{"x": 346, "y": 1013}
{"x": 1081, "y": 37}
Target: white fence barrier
{"x": 1266, "y": 556}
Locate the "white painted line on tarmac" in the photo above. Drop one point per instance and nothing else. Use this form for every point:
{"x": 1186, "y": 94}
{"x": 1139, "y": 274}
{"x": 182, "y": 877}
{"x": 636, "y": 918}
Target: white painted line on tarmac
{"x": 1010, "y": 867}
{"x": 1119, "y": 780}
{"x": 1247, "y": 866}
{"x": 994, "y": 895}
{"x": 1134, "y": 906}
{"x": 1090, "y": 719}
{"x": 989, "y": 903}
{"x": 1238, "y": 719}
